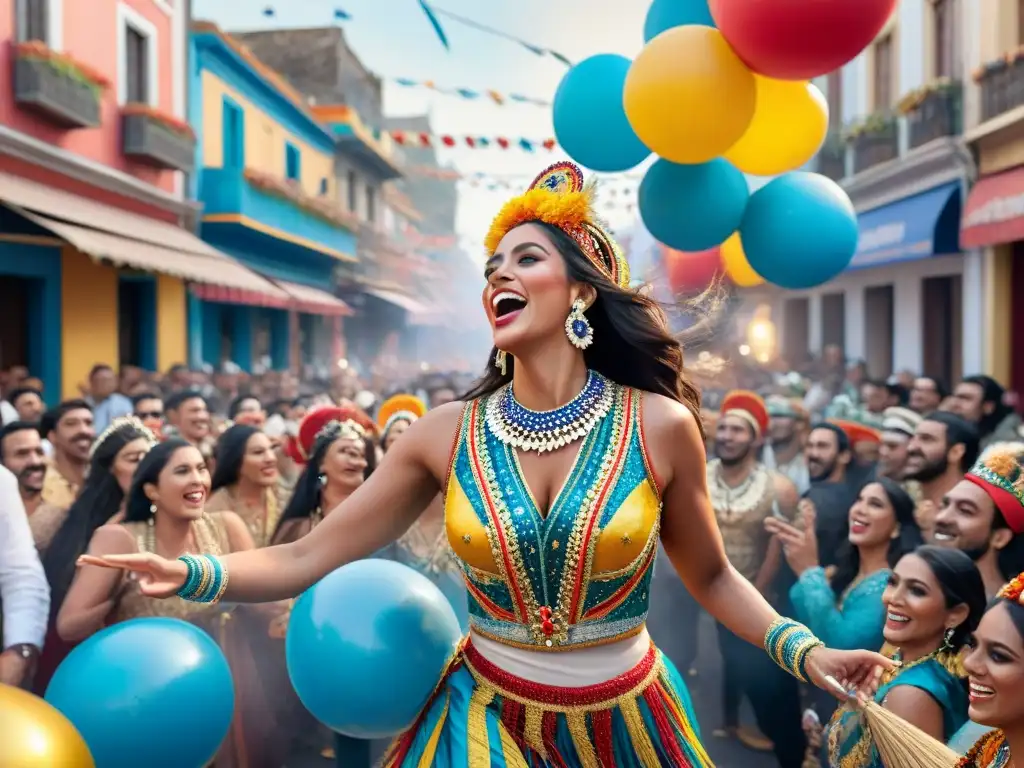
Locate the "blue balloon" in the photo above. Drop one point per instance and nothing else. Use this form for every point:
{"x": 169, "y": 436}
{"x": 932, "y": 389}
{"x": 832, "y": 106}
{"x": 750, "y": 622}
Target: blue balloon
{"x": 367, "y": 645}
{"x": 692, "y": 207}
{"x": 156, "y": 692}
{"x": 590, "y": 121}
{"x": 666, "y": 14}
{"x": 799, "y": 231}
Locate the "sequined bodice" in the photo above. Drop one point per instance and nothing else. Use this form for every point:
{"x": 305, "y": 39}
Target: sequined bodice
{"x": 579, "y": 575}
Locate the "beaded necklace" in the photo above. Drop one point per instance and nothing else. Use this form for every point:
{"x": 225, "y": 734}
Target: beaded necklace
{"x": 516, "y": 425}
{"x": 991, "y": 751}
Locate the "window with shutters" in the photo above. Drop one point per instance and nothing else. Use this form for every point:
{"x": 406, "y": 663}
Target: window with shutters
{"x": 883, "y": 73}
{"x": 944, "y": 41}
{"x": 34, "y": 21}
{"x": 137, "y": 58}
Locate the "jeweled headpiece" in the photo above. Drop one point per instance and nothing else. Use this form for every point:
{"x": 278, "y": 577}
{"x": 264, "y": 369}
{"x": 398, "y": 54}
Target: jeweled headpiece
{"x": 999, "y": 473}
{"x": 559, "y": 197}
{"x": 127, "y": 428}
{"x": 341, "y": 430}
{"x": 302, "y": 447}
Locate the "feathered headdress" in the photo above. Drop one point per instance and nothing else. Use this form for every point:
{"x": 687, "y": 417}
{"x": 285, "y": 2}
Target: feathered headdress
{"x": 399, "y": 408}
{"x": 1014, "y": 590}
{"x": 999, "y": 473}
{"x": 559, "y": 197}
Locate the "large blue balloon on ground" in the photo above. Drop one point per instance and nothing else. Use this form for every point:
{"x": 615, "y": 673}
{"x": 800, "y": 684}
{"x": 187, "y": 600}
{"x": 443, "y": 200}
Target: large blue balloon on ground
{"x": 666, "y": 14}
{"x": 154, "y": 692}
{"x": 692, "y": 207}
{"x": 590, "y": 121}
{"x": 799, "y": 231}
{"x": 367, "y": 646}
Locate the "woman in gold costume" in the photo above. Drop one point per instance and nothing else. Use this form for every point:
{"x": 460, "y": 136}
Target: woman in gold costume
{"x": 165, "y": 516}
{"x": 245, "y": 480}
{"x": 560, "y": 470}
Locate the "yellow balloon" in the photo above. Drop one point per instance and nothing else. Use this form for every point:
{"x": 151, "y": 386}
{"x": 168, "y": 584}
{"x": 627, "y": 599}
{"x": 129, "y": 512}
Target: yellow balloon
{"x": 688, "y": 97}
{"x": 736, "y": 265}
{"x": 789, "y": 127}
{"x": 35, "y": 735}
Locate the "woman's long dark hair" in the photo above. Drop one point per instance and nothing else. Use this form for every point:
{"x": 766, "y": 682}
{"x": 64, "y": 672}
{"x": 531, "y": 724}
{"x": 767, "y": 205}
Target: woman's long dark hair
{"x": 910, "y": 538}
{"x": 632, "y": 342}
{"x": 307, "y": 492}
{"x": 961, "y": 584}
{"x": 138, "y": 508}
{"x": 230, "y": 454}
{"x": 98, "y": 501}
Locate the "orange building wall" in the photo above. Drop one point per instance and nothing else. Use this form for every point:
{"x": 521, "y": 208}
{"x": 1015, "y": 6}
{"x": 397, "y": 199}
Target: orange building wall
{"x": 90, "y": 31}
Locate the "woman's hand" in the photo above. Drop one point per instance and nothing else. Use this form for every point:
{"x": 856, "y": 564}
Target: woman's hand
{"x": 859, "y": 670}
{"x": 157, "y": 576}
{"x": 799, "y": 545}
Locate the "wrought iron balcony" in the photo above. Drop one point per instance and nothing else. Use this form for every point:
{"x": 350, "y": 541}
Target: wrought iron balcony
{"x": 875, "y": 143}
{"x": 1002, "y": 87}
{"x": 832, "y": 158}
{"x": 934, "y": 113}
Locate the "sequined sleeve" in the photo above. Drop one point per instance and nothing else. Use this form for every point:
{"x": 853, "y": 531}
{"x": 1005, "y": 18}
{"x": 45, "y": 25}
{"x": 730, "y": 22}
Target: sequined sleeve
{"x": 856, "y": 625}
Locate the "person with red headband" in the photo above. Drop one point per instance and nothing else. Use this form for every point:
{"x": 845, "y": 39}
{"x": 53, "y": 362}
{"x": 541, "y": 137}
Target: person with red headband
{"x": 983, "y": 515}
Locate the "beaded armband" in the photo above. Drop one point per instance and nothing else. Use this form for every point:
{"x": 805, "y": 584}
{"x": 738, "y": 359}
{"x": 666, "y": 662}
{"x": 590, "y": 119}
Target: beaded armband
{"x": 790, "y": 643}
{"x": 206, "y": 581}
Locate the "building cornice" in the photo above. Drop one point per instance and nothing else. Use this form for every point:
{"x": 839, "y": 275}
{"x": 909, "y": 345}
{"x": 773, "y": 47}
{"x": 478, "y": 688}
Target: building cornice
{"x": 29, "y": 149}
{"x": 938, "y": 162}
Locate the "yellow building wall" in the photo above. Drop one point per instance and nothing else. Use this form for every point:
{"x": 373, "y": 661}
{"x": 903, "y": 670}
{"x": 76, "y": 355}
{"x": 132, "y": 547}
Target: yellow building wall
{"x": 998, "y": 27}
{"x": 88, "y": 318}
{"x": 998, "y": 311}
{"x": 264, "y": 139}
{"x": 171, "y": 322}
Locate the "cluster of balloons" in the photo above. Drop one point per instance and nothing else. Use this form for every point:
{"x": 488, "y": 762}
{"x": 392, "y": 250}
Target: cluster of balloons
{"x": 720, "y": 91}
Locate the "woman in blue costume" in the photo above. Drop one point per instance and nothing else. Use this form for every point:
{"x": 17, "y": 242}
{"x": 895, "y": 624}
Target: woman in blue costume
{"x": 578, "y": 449}
{"x": 934, "y": 601}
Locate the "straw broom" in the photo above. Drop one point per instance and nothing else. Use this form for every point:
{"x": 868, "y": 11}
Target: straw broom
{"x": 899, "y": 744}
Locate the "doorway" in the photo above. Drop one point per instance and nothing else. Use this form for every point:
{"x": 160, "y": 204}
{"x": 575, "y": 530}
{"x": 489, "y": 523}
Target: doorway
{"x": 941, "y": 306}
{"x": 878, "y": 330}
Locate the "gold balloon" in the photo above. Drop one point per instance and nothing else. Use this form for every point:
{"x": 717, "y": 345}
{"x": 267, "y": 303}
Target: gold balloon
{"x": 687, "y": 96}
{"x": 737, "y": 268}
{"x": 789, "y": 127}
{"x": 35, "y": 735}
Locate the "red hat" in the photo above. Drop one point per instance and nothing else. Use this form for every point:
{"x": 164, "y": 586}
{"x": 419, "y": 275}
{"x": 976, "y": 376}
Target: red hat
{"x": 300, "y": 448}
{"x": 857, "y": 432}
{"x": 748, "y": 406}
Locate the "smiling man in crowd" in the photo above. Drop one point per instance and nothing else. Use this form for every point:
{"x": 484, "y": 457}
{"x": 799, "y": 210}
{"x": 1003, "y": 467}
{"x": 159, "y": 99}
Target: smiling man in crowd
{"x": 69, "y": 428}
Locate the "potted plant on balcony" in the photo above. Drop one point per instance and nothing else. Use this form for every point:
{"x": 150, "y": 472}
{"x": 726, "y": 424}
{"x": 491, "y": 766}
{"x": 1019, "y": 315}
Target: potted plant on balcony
{"x": 1002, "y": 83}
{"x": 65, "y": 91}
{"x": 322, "y": 207}
{"x": 157, "y": 138}
{"x": 874, "y": 139}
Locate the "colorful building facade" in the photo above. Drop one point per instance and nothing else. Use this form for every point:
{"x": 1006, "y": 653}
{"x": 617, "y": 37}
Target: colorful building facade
{"x": 267, "y": 185}
{"x": 96, "y": 252}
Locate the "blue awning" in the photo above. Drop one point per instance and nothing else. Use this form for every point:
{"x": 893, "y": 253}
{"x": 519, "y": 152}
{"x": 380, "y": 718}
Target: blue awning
{"x": 927, "y": 224}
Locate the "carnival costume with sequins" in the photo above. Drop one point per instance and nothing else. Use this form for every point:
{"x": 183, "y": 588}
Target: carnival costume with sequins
{"x": 555, "y": 584}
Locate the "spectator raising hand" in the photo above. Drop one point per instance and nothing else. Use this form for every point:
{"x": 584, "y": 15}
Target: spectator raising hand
{"x": 799, "y": 542}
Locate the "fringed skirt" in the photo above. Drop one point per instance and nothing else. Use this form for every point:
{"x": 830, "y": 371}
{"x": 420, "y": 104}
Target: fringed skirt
{"x": 483, "y": 717}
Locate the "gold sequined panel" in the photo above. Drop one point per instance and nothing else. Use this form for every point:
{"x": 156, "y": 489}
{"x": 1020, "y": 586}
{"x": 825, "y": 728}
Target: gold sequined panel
{"x": 466, "y": 534}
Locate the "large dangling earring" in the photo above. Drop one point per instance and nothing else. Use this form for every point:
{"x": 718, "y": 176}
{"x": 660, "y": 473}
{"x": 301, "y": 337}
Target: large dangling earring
{"x": 323, "y": 480}
{"x": 501, "y": 361}
{"x": 152, "y": 511}
{"x": 947, "y": 639}
{"x": 577, "y": 327}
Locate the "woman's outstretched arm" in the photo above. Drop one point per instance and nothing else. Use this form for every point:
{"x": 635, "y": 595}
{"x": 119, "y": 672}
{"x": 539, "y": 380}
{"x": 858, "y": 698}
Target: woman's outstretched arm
{"x": 380, "y": 511}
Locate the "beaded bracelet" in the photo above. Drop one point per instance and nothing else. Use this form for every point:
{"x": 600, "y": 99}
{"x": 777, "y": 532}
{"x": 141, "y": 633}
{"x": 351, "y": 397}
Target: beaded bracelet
{"x": 790, "y": 643}
{"x": 206, "y": 581}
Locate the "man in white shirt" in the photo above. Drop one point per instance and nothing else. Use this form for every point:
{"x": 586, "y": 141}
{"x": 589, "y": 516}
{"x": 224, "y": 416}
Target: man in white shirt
{"x": 24, "y": 593}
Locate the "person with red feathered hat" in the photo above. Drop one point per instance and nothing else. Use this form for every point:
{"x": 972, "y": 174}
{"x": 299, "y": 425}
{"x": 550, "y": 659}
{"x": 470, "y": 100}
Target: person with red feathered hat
{"x": 744, "y": 493}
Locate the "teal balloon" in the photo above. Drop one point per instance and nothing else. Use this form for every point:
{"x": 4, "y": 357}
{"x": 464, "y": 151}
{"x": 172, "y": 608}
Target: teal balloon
{"x": 147, "y": 692}
{"x": 799, "y": 231}
{"x": 590, "y": 121}
{"x": 692, "y": 207}
{"x": 367, "y": 645}
{"x": 666, "y": 14}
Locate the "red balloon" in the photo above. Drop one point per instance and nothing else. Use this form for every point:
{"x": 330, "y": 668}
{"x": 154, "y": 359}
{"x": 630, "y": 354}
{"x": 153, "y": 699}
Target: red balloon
{"x": 691, "y": 272}
{"x": 799, "y": 39}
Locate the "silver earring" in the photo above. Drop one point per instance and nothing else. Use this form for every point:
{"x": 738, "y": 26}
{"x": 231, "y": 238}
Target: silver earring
{"x": 323, "y": 480}
{"x": 152, "y": 509}
{"x": 947, "y": 639}
{"x": 501, "y": 361}
{"x": 578, "y": 328}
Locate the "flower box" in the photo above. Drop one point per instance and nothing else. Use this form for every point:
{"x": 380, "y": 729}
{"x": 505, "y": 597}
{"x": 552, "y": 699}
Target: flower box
{"x": 323, "y": 208}
{"x": 933, "y": 112}
{"x": 157, "y": 139}
{"x": 875, "y": 142}
{"x": 1002, "y": 85}
{"x": 57, "y": 87}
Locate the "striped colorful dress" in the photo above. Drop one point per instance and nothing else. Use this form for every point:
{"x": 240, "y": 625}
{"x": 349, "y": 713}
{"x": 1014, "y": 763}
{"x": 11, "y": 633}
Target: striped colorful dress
{"x": 574, "y": 578}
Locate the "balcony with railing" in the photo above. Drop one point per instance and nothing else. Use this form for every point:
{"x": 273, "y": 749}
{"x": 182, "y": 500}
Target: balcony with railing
{"x": 1001, "y": 83}
{"x": 932, "y": 112}
{"x": 831, "y": 161}
{"x": 874, "y": 141}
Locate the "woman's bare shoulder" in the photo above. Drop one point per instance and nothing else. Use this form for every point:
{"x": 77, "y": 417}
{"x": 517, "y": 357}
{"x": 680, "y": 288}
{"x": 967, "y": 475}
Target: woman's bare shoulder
{"x": 432, "y": 437}
{"x": 113, "y": 538}
{"x": 672, "y": 437}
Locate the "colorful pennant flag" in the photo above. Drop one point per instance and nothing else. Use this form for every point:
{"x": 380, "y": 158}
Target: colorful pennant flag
{"x": 417, "y": 139}
{"x": 438, "y": 29}
{"x": 470, "y": 94}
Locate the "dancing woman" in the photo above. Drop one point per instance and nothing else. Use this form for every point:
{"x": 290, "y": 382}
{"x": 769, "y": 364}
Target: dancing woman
{"x": 562, "y": 468}
{"x": 115, "y": 455}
